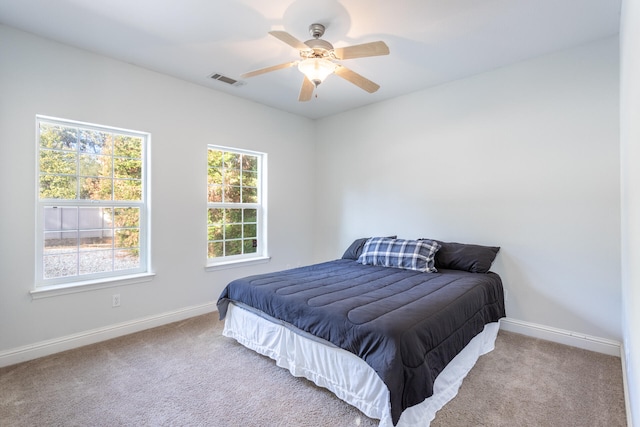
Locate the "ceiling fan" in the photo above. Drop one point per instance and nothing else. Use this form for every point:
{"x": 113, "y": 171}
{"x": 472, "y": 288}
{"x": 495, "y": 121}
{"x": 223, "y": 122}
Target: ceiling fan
{"x": 318, "y": 58}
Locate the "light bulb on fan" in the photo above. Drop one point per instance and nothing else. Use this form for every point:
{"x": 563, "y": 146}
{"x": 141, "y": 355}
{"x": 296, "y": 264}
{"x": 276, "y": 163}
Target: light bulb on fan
{"x": 316, "y": 69}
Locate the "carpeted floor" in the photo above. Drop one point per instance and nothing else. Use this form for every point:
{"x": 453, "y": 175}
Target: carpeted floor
{"x": 187, "y": 374}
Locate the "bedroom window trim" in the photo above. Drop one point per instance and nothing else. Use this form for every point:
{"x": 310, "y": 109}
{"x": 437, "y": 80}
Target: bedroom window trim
{"x": 217, "y": 187}
{"x": 98, "y": 162}
{"x": 90, "y": 285}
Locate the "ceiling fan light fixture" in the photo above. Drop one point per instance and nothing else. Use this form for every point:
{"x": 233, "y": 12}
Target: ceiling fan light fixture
{"x": 316, "y": 69}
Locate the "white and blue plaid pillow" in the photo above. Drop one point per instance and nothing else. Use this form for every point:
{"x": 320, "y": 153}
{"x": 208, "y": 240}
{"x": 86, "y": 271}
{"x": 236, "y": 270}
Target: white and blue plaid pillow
{"x": 399, "y": 253}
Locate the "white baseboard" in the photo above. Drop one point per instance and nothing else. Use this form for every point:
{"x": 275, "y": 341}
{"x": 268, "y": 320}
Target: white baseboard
{"x": 587, "y": 342}
{"x": 625, "y": 385}
{"x": 45, "y": 348}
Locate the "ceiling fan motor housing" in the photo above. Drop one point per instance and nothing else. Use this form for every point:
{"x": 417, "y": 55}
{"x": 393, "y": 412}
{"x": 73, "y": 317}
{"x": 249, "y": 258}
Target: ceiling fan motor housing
{"x": 321, "y": 48}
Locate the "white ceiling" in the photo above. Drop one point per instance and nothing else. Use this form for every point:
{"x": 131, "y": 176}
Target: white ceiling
{"x": 431, "y": 41}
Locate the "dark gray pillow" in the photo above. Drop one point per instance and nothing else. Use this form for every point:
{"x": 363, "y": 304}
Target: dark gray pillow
{"x": 354, "y": 251}
{"x": 466, "y": 257}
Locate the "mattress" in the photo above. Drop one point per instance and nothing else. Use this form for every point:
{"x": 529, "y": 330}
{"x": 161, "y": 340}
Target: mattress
{"x": 344, "y": 374}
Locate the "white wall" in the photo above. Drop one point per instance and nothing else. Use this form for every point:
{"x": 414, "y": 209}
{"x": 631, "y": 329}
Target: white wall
{"x": 42, "y": 77}
{"x": 630, "y": 183}
{"x": 524, "y": 157}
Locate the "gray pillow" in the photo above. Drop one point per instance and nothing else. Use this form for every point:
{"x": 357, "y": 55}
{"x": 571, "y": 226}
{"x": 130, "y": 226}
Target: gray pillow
{"x": 466, "y": 257}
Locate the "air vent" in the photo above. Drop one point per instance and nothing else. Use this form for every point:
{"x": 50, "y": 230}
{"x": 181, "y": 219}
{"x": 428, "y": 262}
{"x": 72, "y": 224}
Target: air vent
{"x": 225, "y": 79}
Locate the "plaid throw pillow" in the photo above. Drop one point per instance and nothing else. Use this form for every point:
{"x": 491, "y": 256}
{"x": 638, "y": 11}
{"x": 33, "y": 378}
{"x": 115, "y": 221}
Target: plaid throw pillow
{"x": 399, "y": 253}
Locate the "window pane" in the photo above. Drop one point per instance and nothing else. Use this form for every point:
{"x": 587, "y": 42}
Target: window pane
{"x": 215, "y": 249}
{"x": 96, "y": 189}
{"x": 249, "y": 179}
{"x": 233, "y": 215}
{"x": 94, "y": 218}
{"x": 249, "y": 163}
{"x": 233, "y": 231}
{"x": 214, "y": 159}
{"x": 94, "y": 165}
{"x": 126, "y": 259}
{"x": 232, "y": 160}
{"x": 95, "y": 262}
{"x": 127, "y": 238}
{"x": 231, "y": 195}
{"x": 52, "y": 218}
{"x": 61, "y": 265}
{"x": 215, "y": 233}
{"x": 126, "y": 217}
{"x": 232, "y": 177}
{"x": 127, "y": 146}
{"x": 60, "y": 218}
{"x": 233, "y": 247}
{"x": 215, "y": 193}
{"x": 95, "y": 239}
{"x": 216, "y": 216}
{"x": 58, "y": 137}
{"x": 127, "y": 168}
{"x": 57, "y": 162}
{"x": 92, "y": 141}
{"x": 250, "y": 246}
{"x": 69, "y": 218}
{"x": 127, "y": 189}
{"x": 250, "y": 230}
{"x": 56, "y": 242}
{"x": 250, "y": 195}
{"x": 215, "y": 176}
{"x": 58, "y": 187}
{"x": 250, "y": 215}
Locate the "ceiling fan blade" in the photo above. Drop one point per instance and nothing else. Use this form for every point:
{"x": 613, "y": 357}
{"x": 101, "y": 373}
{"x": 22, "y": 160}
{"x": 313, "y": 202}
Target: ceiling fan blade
{"x": 356, "y": 79}
{"x": 362, "y": 50}
{"x": 289, "y": 39}
{"x": 306, "y": 91}
{"x": 268, "y": 69}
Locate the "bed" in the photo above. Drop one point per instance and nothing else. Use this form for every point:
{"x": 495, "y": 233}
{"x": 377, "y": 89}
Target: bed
{"x": 392, "y": 327}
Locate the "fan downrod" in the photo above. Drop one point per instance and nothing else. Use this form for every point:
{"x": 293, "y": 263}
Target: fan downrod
{"x": 316, "y": 30}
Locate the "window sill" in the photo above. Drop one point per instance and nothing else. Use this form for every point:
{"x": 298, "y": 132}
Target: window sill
{"x": 90, "y": 285}
{"x": 237, "y": 263}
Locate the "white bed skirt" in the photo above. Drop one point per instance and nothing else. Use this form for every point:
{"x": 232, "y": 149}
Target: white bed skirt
{"x": 345, "y": 374}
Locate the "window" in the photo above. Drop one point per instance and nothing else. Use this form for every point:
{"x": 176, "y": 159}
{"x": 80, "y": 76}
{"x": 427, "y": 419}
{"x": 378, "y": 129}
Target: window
{"x": 92, "y": 202}
{"x": 236, "y": 205}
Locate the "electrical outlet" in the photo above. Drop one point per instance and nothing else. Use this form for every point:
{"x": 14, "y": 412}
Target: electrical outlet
{"x": 115, "y": 300}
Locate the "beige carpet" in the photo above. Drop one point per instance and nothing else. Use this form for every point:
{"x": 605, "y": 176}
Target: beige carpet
{"x": 187, "y": 374}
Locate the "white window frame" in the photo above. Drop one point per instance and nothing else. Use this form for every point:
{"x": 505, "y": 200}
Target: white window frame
{"x": 261, "y": 255}
{"x": 45, "y": 287}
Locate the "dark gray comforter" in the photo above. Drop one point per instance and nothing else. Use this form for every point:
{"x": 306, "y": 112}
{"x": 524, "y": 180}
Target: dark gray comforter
{"x": 406, "y": 325}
